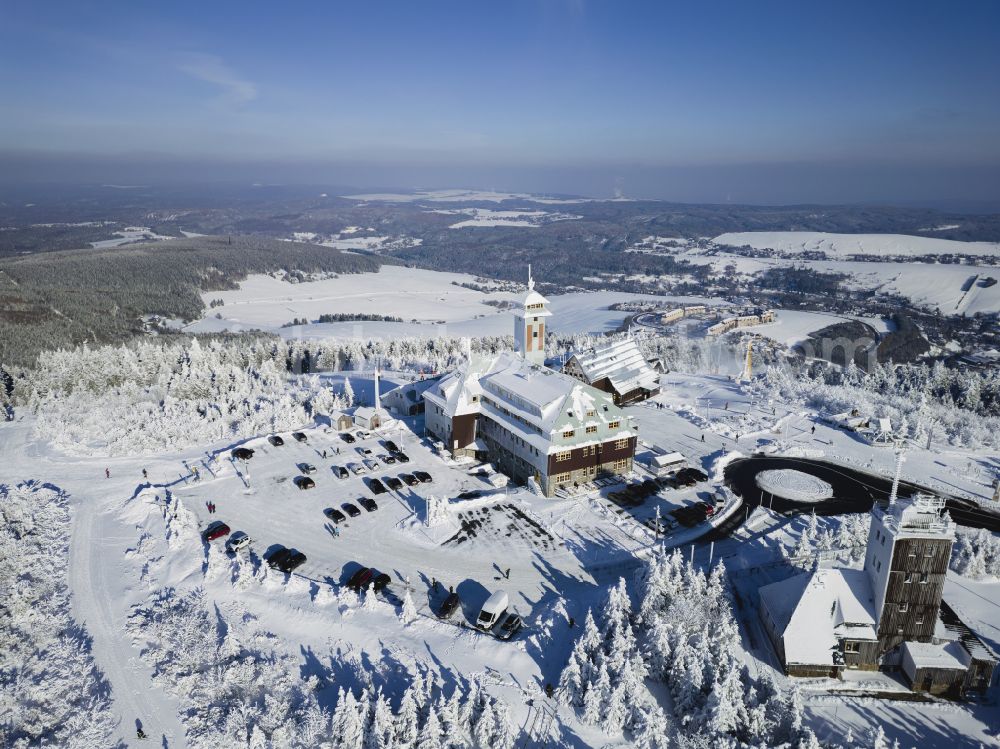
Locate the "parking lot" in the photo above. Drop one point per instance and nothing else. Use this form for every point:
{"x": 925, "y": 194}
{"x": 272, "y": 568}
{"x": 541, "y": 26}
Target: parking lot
{"x": 492, "y": 543}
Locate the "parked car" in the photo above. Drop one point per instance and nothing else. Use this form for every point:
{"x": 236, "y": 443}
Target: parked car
{"x": 347, "y": 437}
{"x": 423, "y": 477}
{"x": 366, "y": 576}
{"x": 387, "y": 459}
{"x": 304, "y": 482}
{"x": 335, "y": 515}
{"x": 363, "y": 435}
{"x": 371, "y": 465}
{"x": 509, "y": 626}
{"x": 299, "y": 437}
{"x": 307, "y": 468}
{"x": 357, "y": 468}
{"x": 391, "y": 446}
{"x": 393, "y": 483}
{"x": 351, "y": 509}
{"x": 242, "y": 453}
{"x": 493, "y": 610}
{"x": 292, "y": 561}
{"x": 218, "y": 529}
{"x": 402, "y": 458}
{"x": 360, "y": 579}
{"x": 472, "y": 494}
{"x": 409, "y": 479}
{"x": 362, "y": 450}
{"x": 278, "y": 557}
{"x": 376, "y": 486}
{"x": 449, "y": 606}
{"x": 340, "y": 472}
{"x": 275, "y": 440}
{"x": 368, "y": 503}
{"x": 237, "y": 541}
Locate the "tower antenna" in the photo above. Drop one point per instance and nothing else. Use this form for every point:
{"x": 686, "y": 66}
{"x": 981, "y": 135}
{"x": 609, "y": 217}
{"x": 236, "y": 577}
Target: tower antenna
{"x": 531, "y": 281}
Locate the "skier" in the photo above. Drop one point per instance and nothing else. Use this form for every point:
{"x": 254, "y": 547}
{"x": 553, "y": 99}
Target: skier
{"x": 324, "y": 453}
{"x": 139, "y": 733}
{"x": 814, "y": 429}
{"x": 194, "y": 470}
{"x": 549, "y": 690}
{"x": 572, "y": 621}
{"x": 703, "y": 438}
{"x": 434, "y": 584}
{"x": 107, "y": 473}
{"x": 144, "y": 474}
{"x": 727, "y": 406}
{"x": 507, "y": 573}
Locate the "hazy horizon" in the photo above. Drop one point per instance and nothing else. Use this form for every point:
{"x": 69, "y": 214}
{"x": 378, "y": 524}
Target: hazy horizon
{"x": 769, "y": 103}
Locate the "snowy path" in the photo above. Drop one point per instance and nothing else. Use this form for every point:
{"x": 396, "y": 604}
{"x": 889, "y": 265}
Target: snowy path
{"x": 133, "y": 691}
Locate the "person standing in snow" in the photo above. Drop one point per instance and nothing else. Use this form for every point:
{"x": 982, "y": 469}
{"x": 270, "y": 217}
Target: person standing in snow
{"x": 107, "y": 473}
{"x": 144, "y": 474}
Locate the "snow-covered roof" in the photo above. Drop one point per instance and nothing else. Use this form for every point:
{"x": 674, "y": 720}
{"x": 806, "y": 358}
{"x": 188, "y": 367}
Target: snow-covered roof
{"x": 667, "y": 460}
{"x": 814, "y": 610}
{"x": 621, "y": 362}
{"x": 922, "y": 516}
{"x": 945, "y": 655}
{"x": 533, "y": 399}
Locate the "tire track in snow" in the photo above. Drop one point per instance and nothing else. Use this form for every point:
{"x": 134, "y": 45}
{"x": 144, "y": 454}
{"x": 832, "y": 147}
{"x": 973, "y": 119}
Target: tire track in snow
{"x": 133, "y": 691}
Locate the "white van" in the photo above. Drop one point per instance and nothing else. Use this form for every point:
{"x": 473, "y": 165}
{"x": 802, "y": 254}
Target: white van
{"x": 493, "y": 610}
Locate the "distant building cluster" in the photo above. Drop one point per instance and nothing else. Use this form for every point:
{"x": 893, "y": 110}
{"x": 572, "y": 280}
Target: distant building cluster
{"x": 760, "y": 317}
{"x": 681, "y": 312}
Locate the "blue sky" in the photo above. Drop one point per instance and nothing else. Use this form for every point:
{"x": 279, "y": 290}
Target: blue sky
{"x": 598, "y": 86}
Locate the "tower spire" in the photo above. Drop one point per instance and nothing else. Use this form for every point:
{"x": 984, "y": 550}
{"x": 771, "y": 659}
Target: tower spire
{"x": 531, "y": 281}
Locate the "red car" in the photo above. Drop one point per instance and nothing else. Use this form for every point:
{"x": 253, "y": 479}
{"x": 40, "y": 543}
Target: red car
{"x": 218, "y": 529}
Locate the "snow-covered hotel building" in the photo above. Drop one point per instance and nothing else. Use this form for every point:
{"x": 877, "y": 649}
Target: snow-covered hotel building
{"x": 616, "y": 367}
{"x": 889, "y": 614}
{"x": 533, "y": 422}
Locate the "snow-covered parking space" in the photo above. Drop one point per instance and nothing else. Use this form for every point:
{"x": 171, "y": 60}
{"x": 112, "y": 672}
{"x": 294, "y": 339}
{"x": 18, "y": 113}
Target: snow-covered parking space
{"x": 502, "y": 539}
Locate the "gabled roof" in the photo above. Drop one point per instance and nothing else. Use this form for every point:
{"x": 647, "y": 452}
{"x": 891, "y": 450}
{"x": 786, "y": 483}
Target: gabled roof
{"x": 814, "y": 610}
{"x": 538, "y": 395}
{"x": 621, "y": 362}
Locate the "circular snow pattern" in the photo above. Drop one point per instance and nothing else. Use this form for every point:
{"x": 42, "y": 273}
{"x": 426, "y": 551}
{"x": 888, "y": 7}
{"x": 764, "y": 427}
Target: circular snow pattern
{"x": 794, "y": 485}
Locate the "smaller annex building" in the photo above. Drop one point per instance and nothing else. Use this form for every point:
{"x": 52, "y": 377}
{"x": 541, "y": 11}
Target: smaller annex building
{"x": 889, "y": 614}
{"x": 616, "y": 367}
{"x": 408, "y": 398}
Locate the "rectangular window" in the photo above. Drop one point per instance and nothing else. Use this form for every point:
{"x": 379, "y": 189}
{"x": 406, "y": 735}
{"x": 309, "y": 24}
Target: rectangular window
{"x": 923, "y": 577}
{"x": 621, "y": 444}
{"x": 569, "y": 433}
{"x": 908, "y": 578}
{"x": 591, "y": 413}
{"x": 851, "y": 647}
{"x": 591, "y": 430}
{"x": 614, "y": 424}
{"x": 903, "y": 607}
{"x": 564, "y": 456}
{"x": 560, "y": 477}
{"x": 621, "y": 465}
{"x": 920, "y": 619}
{"x": 929, "y": 551}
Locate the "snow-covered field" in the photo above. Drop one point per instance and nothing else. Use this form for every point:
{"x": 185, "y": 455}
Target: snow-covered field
{"x": 844, "y": 245}
{"x": 128, "y": 235}
{"x": 488, "y": 217}
{"x": 429, "y": 301}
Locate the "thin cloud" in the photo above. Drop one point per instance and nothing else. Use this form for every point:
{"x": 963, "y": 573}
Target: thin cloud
{"x": 211, "y": 69}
